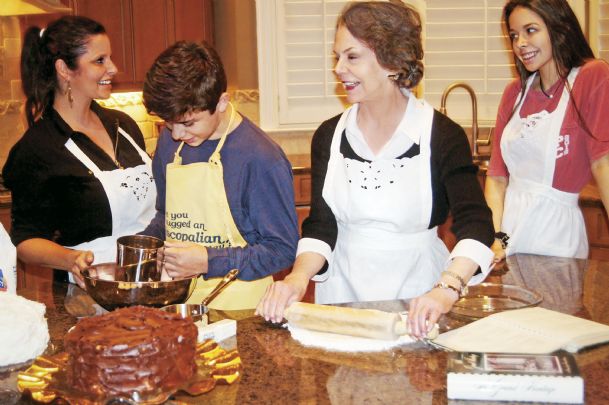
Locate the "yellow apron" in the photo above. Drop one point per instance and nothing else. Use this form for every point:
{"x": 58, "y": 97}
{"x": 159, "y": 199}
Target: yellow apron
{"x": 197, "y": 210}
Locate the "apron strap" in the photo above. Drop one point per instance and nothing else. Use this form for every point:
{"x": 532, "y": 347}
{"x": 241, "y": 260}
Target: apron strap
{"x": 177, "y": 159}
{"x": 570, "y": 80}
{"x": 82, "y": 157}
{"x": 145, "y": 157}
{"x": 215, "y": 156}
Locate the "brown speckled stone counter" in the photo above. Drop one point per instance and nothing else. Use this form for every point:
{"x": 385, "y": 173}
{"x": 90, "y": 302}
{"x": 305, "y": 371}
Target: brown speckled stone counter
{"x": 277, "y": 369}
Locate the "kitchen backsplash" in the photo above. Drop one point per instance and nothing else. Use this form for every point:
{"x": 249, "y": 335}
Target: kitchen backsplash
{"x": 246, "y": 101}
{"x": 131, "y": 104}
{"x": 11, "y": 97}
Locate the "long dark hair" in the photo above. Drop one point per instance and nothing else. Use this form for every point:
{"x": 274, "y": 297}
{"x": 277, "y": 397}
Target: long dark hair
{"x": 569, "y": 46}
{"x": 65, "y": 39}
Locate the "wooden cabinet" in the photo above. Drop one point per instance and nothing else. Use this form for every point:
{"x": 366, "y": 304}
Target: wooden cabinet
{"x": 27, "y": 275}
{"x": 302, "y": 189}
{"x": 302, "y": 196}
{"x": 597, "y": 224}
{"x": 5, "y": 217}
{"x": 140, "y": 30}
{"x": 597, "y": 228}
{"x": 115, "y": 16}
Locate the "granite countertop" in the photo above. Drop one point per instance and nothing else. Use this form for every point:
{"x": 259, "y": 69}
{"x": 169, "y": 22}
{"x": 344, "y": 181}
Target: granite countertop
{"x": 278, "y": 369}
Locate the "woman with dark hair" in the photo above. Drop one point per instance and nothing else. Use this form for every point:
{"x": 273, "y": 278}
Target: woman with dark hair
{"x": 552, "y": 134}
{"x": 79, "y": 176}
{"x": 385, "y": 174}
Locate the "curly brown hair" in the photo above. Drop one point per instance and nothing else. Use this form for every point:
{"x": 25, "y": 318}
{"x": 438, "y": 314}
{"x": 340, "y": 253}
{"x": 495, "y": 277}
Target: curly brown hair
{"x": 186, "y": 77}
{"x": 392, "y": 30}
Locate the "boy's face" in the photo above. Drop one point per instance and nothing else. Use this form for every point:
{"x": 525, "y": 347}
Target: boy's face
{"x": 196, "y": 127}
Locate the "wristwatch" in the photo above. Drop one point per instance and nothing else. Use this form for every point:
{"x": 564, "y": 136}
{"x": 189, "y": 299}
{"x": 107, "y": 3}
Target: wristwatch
{"x": 503, "y": 238}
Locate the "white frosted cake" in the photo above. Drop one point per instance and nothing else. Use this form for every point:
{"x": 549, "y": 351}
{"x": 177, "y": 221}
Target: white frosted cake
{"x": 24, "y": 333}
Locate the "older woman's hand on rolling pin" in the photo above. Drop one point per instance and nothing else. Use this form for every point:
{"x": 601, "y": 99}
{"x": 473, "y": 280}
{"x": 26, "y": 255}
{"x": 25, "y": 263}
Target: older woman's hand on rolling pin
{"x": 280, "y": 295}
{"x": 292, "y": 288}
{"x": 183, "y": 259}
{"x": 424, "y": 311}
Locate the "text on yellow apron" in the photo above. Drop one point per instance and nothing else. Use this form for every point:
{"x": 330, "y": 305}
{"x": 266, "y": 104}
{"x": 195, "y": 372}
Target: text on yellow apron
{"x": 197, "y": 210}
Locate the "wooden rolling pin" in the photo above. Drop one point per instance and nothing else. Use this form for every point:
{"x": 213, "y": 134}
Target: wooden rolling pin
{"x": 368, "y": 323}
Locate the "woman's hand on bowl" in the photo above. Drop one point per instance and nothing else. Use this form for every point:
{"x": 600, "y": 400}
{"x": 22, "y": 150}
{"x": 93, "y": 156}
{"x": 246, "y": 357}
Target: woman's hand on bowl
{"x": 81, "y": 260}
{"x": 183, "y": 259}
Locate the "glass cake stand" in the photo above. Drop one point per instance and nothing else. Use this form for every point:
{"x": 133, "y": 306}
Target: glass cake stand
{"x": 488, "y": 298}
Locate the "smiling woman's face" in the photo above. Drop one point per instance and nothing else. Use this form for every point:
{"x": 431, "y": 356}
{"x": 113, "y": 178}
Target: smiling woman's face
{"x": 357, "y": 67}
{"x": 531, "y": 40}
{"x": 92, "y": 78}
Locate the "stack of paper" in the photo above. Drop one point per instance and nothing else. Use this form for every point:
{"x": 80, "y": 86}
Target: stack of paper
{"x": 530, "y": 330}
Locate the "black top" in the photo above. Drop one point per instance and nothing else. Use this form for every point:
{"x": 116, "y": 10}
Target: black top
{"x": 455, "y": 186}
{"x": 54, "y": 196}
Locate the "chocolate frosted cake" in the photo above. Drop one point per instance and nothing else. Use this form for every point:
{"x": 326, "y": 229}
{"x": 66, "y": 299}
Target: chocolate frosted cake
{"x": 131, "y": 350}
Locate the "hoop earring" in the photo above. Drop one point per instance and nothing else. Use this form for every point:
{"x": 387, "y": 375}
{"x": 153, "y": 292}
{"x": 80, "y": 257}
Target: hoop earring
{"x": 69, "y": 94}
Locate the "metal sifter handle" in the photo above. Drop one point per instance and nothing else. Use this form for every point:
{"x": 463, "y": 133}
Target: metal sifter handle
{"x": 228, "y": 278}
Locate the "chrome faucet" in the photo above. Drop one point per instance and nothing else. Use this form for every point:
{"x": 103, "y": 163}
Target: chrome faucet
{"x": 475, "y": 142}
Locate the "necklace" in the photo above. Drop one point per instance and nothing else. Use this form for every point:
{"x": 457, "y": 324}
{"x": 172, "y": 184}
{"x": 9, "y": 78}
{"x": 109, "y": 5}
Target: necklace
{"x": 116, "y": 145}
{"x": 543, "y": 91}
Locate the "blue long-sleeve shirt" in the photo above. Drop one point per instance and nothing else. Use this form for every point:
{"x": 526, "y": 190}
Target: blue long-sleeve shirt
{"x": 259, "y": 188}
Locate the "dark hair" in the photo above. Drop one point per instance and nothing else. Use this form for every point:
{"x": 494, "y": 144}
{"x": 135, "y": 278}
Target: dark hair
{"x": 65, "y": 39}
{"x": 392, "y": 30}
{"x": 186, "y": 77}
{"x": 569, "y": 46}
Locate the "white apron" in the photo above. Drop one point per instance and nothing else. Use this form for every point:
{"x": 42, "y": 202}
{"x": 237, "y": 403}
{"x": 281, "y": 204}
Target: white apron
{"x": 538, "y": 218}
{"x": 197, "y": 210}
{"x": 8, "y": 263}
{"x": 131, "y": 193}
{"x": 383, "y": 250}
